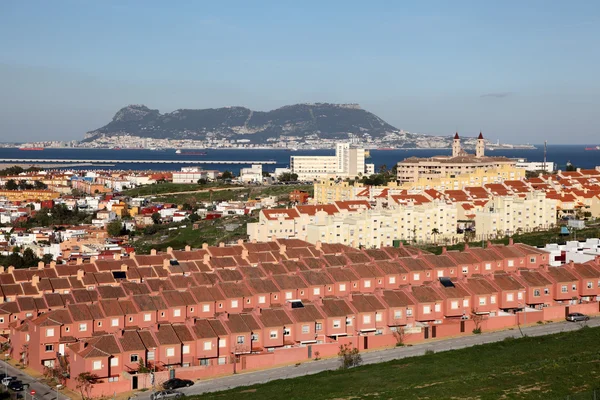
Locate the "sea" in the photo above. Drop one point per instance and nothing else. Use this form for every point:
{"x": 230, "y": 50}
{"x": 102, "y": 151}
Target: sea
{"x": 559, "y": 154}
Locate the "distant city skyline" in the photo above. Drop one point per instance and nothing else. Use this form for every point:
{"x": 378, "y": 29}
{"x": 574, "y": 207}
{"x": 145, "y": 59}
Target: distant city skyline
{"x": 521, "y": 72}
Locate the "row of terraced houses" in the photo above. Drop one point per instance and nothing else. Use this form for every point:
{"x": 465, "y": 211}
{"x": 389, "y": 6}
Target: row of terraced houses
{"x": 197, "y": 313}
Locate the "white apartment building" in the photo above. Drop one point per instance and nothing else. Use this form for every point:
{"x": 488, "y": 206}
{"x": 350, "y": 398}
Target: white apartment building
{"x": 507, "y": 215}
{"x": 547, "y": 166}
{"x": 348, "y": 162}
{"x": 252, "y": 174}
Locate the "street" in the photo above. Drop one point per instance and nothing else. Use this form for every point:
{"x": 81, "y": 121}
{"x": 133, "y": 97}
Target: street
{"x": 376, "y": 356}
{"x": 42, "y": 391}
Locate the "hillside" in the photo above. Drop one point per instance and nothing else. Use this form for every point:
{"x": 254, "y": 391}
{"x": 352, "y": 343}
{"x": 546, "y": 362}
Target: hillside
{"x": 300, "y": 123}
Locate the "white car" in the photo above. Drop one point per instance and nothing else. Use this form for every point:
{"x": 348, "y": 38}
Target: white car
{"x": 7, "y": 380}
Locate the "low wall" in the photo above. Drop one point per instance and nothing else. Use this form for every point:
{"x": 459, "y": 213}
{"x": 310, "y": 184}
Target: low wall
{"x": 500, "y": 322}
{"x": 530, "y": 317}
{"x": 586, "y": 308}
{"x": 553, "y": 313}
{"x": 281, "y": 356}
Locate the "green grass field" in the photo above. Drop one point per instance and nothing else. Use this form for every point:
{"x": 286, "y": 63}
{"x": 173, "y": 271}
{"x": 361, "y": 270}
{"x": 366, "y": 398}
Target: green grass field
{"x": 546, "y": 367}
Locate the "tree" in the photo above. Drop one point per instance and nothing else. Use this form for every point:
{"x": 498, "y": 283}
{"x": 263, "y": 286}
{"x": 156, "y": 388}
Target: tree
{"x": 570, "y": 167}
{"x": 266, "y": 174}
{"x": 29, "y": 258}
{"x": 227, "y": 175}
{"x": 156, "y": 218}
{"x": 288, "y": 177}
{"x": 39, "y": 185}
{"x": 194, "y": 217}
{"x": 142, "y": 367}
{"x": 349, "y": 357}
{"x": 114, "y": 228}
{"x": 202, "y": 181}
{"x": 47, "y": 258}
{"x": 11, "y": 185}
{"x": 435, "y": 232}
{"x": 84, "y": 382}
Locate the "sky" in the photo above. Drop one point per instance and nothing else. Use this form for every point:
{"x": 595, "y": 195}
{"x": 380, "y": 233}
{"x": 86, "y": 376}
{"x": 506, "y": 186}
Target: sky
{"x": 520, "y": 71}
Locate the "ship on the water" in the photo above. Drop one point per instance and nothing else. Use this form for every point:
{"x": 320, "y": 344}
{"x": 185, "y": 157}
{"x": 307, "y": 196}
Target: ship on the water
{"x": 190, "y": 153}
{"x": 31, "y": 148}
{"x": 593, "y": 148}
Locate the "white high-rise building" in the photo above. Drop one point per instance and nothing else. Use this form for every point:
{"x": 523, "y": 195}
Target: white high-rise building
{"x": 348, "y": 162}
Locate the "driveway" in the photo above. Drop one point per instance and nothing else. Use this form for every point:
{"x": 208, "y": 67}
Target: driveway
{"x": 375, "y": 356}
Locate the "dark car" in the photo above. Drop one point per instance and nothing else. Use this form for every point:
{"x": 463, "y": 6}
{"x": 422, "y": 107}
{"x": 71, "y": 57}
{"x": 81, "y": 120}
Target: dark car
{"x": 17, "y": 386}
{"x": 576, "y": 317}
{"x": 177, "y": 383}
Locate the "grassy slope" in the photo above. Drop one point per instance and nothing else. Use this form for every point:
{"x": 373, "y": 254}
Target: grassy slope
{"x": 545, "y": 367}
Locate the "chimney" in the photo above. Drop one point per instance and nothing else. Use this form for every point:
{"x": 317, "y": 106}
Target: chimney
{"x": 80, "y": 274}
{"x": 166, "y": 263}
{"x": 489, "y": 243}
{"x": 117, "y": 256}
{"x": 124, "y": 267}
{"x": 253, "y": 241}
{"x": 40, "y": 265}
{"x": 35, "y": 280}
{"x": 120, "y": 333}
{"x": 206, "y": 258}
{"x": 221, "y": 244}
{"x": 240, "y": 242}
{"x": 188, "y": 248}
{"x": 318, "y": 245}
{"x": 245, "y": 253}
{"x": 204, "y": 246}
{"x": 444, "y": 250}
{"x": 511, "y": 241}
{"x": 11, "y": 269}
{"x": 282, "y": 248}
{"x": 466, "y": 246}
{"x": 571, "y": 263}
{"x": 79, "y": 260}
{"x": 1, "y": 269}
{"x": 53, "y": 264}
{"x": 169, "y": 250}
{"x": 153, "y": 252}
{"x": 92, "y": 259}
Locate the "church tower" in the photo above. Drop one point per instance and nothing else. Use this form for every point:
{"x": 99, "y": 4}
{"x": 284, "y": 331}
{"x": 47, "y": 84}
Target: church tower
{"x": 480, "y": 147}
{"x": 456, "y": 150}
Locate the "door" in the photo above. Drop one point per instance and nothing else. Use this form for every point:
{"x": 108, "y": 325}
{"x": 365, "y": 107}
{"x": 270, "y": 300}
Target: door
{"x": 134, "y": 382}
{"x": 309, "y": 351}
{"x": 61, "y": 349}
{"x": 366, "y": 342}
{"x": 426, "y": 332}
{"x": 433, "y": 331}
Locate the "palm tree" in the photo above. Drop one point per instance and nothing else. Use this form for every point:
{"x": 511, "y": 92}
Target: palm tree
{"x": 435, "y": 232}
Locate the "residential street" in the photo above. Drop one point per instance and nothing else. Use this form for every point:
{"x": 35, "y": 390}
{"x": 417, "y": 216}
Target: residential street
{"x": 371, "y": 357}
{"x": 42, "y": 391}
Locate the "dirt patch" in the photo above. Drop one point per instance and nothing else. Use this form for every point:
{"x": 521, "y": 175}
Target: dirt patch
{"x": 248, "y": 391}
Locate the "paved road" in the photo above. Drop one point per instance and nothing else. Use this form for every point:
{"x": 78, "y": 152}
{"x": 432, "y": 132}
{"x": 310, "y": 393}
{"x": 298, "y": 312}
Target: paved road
{"x": 371, "y": 357}
{"x": 42, "y": 391}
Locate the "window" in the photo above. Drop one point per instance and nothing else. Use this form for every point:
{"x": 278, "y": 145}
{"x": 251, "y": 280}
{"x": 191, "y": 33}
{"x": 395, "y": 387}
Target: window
{"x": 114, "y": 322}
{"x": 234, "y": 303}
{"x": 99, "y": 323}
{"x": 318, "y": 326}
{"x": 510, "y": 297}
{"x": 151, "y": 355}
{"x": 273, "y": 335}
{"x": 82, "y": 327}
{"x": 147, "y": 317}
{"x": 546, "y": 291}
{"x": 563, "y": 289}
{"x": 409, "y": 312}
{"x": 1, "y": 320}
{"x": 465, "y": 270}
{"x": 426, "y": 309}
{"x": 222, "y": 343}
{"x": 114, "y": 361}
{"x": 482, "y": 301}
{"x": 440, "y": 273}
{"x": 222, "y": 360}
{"x": 366, "y": 319}
{"x": 511, "y": 263}
{"x": 465, "y": 302}
{"x": 574, "y": 287}
{"x": 97, "y": 365}
{"x": 205, "y": 307}
{"x": 316, "y": 291}
{"x": 162, "y": 314}
{"x": 454, "y": 305}
{"x": 49, "y": 332}
{"x": 368, "y": 283}
{"x": 378, "y": 317}
{"x": 248, "y": 300}
{"x": 532, "y": 260}
{"x": 49, "y": 347}
{"x": 113, "y": 379}
{"x": 261, "y": 300}
{"x": 207, "y": 345}
{"x": 343, "y": 286}
{"x": 492, "y": 299}
{"x": 416, "y": 277}
{"x": 336, "y": 323}
{"x": 204, "y": 362}
{"x": 241, "y": 339}
{"x": 186, "y": 349}
{"x": 191, "y": 309}
{"x": 488, "y": 266}
{"x": 170, "y": 352}
{"x": 130, "y": 319}
{"x": 177, "y": 312}
{"x": 438, "y": 307}
{"x": 536, "y": 292}
{"x": 134, "y": 358}
{"x": 590, "y": 285}
{"x": 288, "y": 295}
{"x": 305, "y": 329}
{"x": 520, "y": 295}
{"x": 397, "y": 314}
{"x": 392, "y": 280}
{"x": 286, "y": 332}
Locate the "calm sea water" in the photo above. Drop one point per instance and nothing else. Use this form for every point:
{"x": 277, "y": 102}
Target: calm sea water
{"x": 559, "y": 154}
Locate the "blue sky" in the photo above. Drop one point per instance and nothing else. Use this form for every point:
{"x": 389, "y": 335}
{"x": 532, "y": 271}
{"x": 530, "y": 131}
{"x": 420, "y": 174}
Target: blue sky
{"x": 521, "y": 71}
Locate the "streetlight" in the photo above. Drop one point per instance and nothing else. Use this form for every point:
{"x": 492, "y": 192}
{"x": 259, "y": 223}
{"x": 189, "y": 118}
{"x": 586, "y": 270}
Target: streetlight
{"x": 6, "y": 355}
{"x": 152, "y": 377}
{"x": 58, "y": 386}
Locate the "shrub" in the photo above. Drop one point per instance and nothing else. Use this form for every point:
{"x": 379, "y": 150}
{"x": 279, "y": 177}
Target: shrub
{"x": 349, "y": 357}
{"x": 477, "y": 331}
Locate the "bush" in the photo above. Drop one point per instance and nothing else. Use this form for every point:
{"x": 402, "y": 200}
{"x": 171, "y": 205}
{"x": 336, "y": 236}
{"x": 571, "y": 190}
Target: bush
{"x": 429, "y": 352}
{"x": 349, "y": 357}
{"x": 477, "y": 331}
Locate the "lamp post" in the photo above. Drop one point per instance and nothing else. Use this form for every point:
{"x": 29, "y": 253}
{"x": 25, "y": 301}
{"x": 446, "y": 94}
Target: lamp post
{"x": 57, "y": 388}
{"x": 152, "y": 377}
{"x": 6, "y": 355}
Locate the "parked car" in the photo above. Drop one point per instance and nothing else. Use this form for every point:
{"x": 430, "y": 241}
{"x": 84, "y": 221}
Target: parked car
{"x": 165, "y": 394}
{"x": 177, "y": 383}
{"x": 576, "y": 317}
{"x": 7, "y": 380}
{"x": 16, "y": 385}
